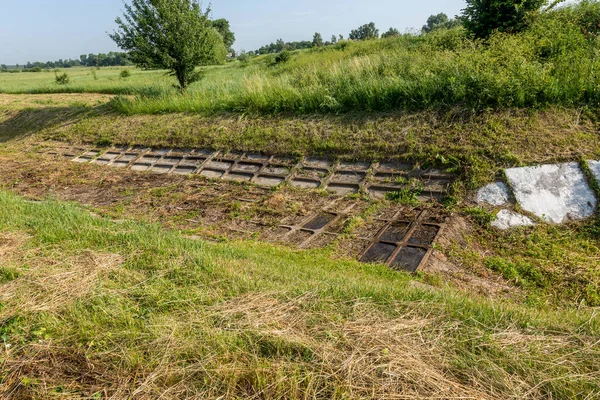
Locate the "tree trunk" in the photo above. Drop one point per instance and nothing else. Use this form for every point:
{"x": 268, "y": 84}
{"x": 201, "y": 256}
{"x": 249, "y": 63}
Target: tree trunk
{"x": 182, "y": 78}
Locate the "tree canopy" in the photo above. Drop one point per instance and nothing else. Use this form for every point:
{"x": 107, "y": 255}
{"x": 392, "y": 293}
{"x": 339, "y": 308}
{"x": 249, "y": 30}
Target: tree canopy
{"x": 224, "y": 28}
{"x": 365, "y": 32}
{"x": 483, "y": 17}
{"x": 172, "y": 34}
{"x": 439, "y": 21}
{"x": 317, "y": 40}
{"x": 391, "y": 33}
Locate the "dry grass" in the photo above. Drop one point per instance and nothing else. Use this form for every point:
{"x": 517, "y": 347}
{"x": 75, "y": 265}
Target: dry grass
{"x": 52, "y": 100}
{"x": 51, "y": 282}
{"x": 116, "y": 311}
{"x": 373, "y": 356}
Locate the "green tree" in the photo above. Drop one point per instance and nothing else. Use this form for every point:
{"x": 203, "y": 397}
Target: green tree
{"x": 438, "y": 21}
{"x": 222, "y": 26}
{"x": 365, "y": 32}
{"x": 171, "y": 34}
{"x": 280, "y": 46}
{"x": 391, "y": 33}
{"x": 333, "y": 39}
{"x": 483, "y": 17}
{"x": 317, "y": 40}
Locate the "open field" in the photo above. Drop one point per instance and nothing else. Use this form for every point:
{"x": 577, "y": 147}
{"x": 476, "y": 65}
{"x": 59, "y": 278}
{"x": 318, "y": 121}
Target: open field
{"x": 107, "y": 80}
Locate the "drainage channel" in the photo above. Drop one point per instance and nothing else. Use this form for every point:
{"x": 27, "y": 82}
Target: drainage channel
{"x": 403, "y": 239}
{"x": 341, "y": 178}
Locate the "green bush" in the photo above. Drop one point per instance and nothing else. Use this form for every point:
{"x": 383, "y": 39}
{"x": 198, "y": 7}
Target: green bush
{"x": 483, "y": 18}
{"x": 283, "y": 57}
{"x": 125, "y": 74}
{"x": 62, "y": 79}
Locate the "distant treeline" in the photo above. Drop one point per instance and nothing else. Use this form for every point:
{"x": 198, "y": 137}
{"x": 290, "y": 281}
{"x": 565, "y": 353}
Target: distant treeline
{"x": 111, "y": 59}
{"x": 364, "y": 32}
{"x": 280, "y": 45}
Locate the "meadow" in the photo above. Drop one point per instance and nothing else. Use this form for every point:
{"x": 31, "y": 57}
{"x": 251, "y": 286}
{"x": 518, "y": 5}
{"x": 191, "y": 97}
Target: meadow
{"x": 554, "y": 62}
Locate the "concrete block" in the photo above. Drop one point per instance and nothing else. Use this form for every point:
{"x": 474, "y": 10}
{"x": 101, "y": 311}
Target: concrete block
{"x": 495, "y": 194}
{"x": 555, "y": 193}
{"x": 507, "y": 219}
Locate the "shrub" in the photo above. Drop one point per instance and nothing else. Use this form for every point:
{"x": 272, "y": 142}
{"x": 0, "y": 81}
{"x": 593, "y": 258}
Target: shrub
{"x": 125, "y": 74}
{"x": 283, "y": 57}
{"x": 244, "y": 57}
{"x": 62, "y": 79}
{"x": 482, "y": 18}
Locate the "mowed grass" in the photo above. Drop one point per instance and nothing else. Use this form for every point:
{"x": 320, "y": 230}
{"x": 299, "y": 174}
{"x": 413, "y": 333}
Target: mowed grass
{"x": 475, "y": 147}
{"x": 97, "y": 309}
{"x": 108, "y": 80}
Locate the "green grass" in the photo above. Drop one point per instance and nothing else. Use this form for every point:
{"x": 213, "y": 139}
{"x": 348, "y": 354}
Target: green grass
{"x": 103, "y": 308}
{"x": 476, "y": 147}
{"x": 108, "y": 80}
{"x": 554, "y": 62}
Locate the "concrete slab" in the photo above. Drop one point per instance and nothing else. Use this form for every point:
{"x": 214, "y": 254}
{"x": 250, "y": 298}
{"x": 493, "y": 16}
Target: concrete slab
{"x": 269, "y": 180}
{"x": 238, "y": 177}
{"x": 494, "y": 194}
{"x": 343, "y": 189}
{"x": 277, "y": 170}
{"x": 354, "y": 166}
{"x": 555, "y": 193}
{"x": 318, "y": 163}
{"x": 595, "y": 168}
{"x": 212, "y": 173}
{"x": 184, "y": 170}
{"x": 305, "y": 183}
{"x": 409, "y": 259}
{"x": 348, "y": 177}
{"x": 507, "y": 219}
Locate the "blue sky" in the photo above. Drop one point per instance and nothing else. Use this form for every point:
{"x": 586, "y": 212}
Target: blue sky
{"x": 43, "y": 30}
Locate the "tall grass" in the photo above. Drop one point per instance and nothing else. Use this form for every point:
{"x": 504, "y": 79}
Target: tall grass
{"x": 554, "y": 62}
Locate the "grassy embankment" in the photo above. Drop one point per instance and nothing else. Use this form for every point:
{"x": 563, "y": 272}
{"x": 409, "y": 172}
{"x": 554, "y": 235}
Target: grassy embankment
{"x": 90, "y": 307}
{"x": 443, "y": 98}
{"x": 554, "y": 62}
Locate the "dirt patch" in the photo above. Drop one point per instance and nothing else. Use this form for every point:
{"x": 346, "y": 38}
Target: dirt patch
{"x": 456, "y": 235}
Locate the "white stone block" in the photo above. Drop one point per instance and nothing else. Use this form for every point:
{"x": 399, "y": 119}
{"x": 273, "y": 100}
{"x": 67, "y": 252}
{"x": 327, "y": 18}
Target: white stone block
{"x": 507, "y": 219}
{"x": 555, "y": 193}
{"x": 595, "y": 168}
{"x": 495, "y": 194}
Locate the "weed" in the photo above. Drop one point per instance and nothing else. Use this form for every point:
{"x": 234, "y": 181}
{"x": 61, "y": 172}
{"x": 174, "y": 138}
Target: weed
{"x": 62, "y": 79}
{"x": 480, "y": 215}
